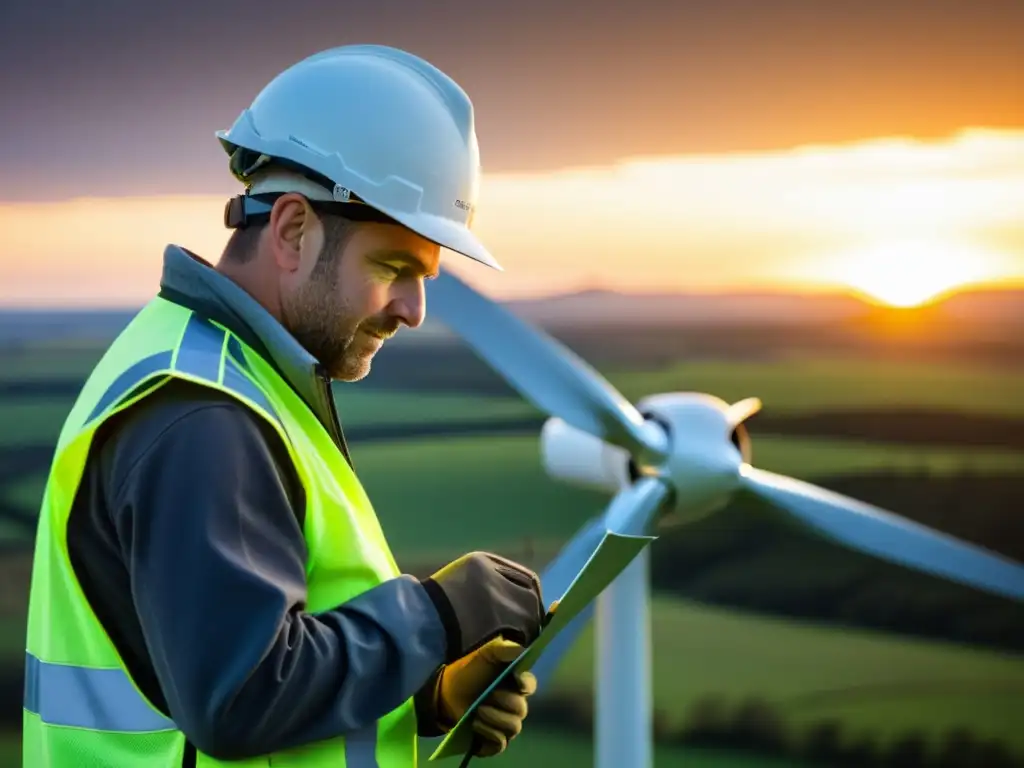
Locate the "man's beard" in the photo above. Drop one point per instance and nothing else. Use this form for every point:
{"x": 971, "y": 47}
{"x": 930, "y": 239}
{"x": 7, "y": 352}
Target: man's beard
{"x": 325, "y": 327}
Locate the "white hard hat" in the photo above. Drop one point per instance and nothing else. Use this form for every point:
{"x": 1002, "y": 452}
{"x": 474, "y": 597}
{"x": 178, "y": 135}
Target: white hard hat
{"x": 373, "y": 125}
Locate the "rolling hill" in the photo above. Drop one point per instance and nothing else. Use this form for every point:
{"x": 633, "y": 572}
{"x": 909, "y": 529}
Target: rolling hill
{"x": 590, "y": 308}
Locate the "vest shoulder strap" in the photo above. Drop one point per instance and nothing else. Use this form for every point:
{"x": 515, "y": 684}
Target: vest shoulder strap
{"x": 206, "y": 354}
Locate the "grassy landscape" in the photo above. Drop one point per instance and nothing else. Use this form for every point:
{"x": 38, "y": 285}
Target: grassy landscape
{"x": 541, "y": 747}
{"x": 438, "y": 497}
{"x": 544, "y": 747}
{"x": 10, "y": 750}
{"x": 485, "y": 491}
{"x": 29, "y": 421}
{"x": 492, "y": 491}
{"x": 47, "y": 361}
{"x": 363, "y": 406}
{"x": 868, "y": 681}
{"x": 804, "y": 383}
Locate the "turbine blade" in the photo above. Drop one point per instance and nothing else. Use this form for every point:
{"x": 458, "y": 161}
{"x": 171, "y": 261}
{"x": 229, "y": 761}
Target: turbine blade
{"x": 874, "y": 531}
{"x": 542, "y": 370}
{"x": 742, "y": 410}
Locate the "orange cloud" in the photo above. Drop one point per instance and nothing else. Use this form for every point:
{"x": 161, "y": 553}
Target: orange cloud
{"x": 794, "y": 217}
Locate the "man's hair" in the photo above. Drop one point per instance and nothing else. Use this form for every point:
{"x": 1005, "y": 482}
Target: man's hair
{"x": 241, "y": 246}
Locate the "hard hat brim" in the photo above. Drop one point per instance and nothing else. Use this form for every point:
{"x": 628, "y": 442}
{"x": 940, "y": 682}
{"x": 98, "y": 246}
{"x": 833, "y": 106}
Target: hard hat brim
{"x": 448, "y": 234}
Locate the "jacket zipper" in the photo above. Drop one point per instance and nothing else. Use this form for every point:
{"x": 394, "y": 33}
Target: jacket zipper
{"x": 334, "y": 423}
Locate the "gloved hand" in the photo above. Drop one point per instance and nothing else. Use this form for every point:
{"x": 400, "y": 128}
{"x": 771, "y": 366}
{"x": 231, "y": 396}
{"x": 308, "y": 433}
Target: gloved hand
{"x": 481, "y": 596}
{"x": 499, "y": 718}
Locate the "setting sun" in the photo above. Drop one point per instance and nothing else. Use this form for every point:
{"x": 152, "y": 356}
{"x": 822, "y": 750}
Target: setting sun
{"x": 911, "y": 273}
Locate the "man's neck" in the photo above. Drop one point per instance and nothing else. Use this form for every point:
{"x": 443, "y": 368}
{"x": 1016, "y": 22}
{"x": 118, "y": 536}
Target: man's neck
{"x": 252, "y": 279}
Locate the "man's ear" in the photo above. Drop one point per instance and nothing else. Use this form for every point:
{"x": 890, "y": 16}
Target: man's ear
{"x": 290, "y": 219}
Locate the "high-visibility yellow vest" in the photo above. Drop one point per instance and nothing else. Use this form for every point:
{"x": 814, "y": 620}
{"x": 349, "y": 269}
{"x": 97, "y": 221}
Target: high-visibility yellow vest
{"x": 81, "y": 706}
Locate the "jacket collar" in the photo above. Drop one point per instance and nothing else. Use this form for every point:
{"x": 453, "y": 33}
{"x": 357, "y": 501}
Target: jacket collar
{"x": 192, "y": 282}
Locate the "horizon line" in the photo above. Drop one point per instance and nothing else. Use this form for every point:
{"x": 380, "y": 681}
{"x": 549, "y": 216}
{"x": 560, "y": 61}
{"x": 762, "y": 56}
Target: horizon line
{"x": 1003, "y": 285}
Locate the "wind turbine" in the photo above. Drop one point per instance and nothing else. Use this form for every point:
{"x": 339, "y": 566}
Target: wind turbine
{"x": 678, "y": 456}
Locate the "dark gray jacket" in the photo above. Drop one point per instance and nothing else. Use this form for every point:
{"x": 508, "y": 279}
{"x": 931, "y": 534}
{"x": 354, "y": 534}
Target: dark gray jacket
{"x": 186, "y": 535}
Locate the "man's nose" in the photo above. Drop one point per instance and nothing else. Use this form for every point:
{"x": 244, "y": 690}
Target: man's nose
{"x": 410, "y": 306}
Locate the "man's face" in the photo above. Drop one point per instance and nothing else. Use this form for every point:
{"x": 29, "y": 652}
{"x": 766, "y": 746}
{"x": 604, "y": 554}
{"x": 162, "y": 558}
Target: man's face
{"x": 359, "y": 284}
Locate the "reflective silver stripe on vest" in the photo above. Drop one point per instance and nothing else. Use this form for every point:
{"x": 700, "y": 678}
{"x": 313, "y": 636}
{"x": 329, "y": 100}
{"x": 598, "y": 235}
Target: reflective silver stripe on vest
{"x": 201, "y": 353}
{"x": 129, "y": 380}
{"x": 105, "y": 700}
{"x": 83, "y": 697}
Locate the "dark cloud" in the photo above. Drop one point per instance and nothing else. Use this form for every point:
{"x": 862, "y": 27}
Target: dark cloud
{"x": 122, "y": 97}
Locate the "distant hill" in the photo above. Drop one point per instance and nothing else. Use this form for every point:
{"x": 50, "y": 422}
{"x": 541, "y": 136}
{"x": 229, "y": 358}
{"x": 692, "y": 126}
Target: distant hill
{"x": 610, "y": 307}
{"x": 596, "y": 308}
{"x": 777, "y": 308}
{"x": 985, "y": 304}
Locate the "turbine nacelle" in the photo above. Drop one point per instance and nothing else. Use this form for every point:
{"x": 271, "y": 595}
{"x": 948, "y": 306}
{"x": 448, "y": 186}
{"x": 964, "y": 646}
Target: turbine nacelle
{"x": 707, "y": 445}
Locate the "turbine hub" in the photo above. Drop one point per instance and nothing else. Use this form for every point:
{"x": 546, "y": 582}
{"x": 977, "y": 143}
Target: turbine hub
{"x": 707, "y": 446}
{"x": 704, "y": 458}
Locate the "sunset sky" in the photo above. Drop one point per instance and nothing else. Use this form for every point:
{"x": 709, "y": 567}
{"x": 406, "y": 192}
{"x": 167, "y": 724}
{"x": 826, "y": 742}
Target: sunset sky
{"x": 631, "y": 145}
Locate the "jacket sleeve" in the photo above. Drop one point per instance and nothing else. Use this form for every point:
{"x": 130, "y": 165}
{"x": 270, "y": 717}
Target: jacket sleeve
{"x": 216, "y": 558}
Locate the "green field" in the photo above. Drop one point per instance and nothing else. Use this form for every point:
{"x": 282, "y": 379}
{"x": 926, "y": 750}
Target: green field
{"x": 44, "y": 360}
{"x": 26, "y": 494}
{"x": 799, "y": 385}
{"x": 802, "y": 384}
{"x": 31, "y": 421}
{"x": 10, "y": 750}
{"x": 440, "y": 497}
{"x": 361, "y": 406}
{"x": 455, "y": 484}
{"x": 541, "y": 748}
{"x": 870, "y": 681}
{"x": 39, "y": 420}
{"x": 795, "y": 385}
{"x": 875, "y": 684}
{"x": 470, "y": 492}
{"x": 535, "y": 748}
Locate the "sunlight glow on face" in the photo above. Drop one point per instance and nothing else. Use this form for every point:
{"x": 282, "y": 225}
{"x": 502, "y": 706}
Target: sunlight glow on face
{"x": 912, "y": 272}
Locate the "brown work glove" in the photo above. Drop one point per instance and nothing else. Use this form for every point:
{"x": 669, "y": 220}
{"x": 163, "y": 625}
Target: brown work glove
{"x": 499, "y": 718}
{"x": 481, "y": 596}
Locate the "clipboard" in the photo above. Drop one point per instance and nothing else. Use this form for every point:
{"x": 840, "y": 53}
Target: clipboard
{"x": 612, "y": 556}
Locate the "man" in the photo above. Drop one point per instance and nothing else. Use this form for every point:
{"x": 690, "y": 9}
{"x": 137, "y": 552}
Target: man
{"x": 210, "y": 582}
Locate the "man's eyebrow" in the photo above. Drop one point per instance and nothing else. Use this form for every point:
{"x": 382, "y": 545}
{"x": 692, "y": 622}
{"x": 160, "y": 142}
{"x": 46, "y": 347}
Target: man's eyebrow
{"x": 406, "y": 257}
